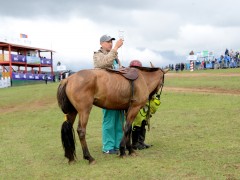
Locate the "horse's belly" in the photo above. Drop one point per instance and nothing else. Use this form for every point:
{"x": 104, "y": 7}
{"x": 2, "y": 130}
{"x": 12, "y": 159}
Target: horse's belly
{"x": 112, "y": 99}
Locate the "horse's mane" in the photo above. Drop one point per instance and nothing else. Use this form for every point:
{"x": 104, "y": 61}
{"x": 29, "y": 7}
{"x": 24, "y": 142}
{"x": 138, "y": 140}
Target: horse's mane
{"x": 148, "y": 69}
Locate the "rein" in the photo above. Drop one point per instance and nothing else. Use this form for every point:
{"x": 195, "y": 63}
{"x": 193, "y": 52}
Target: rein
{"x": 158, "y": 96}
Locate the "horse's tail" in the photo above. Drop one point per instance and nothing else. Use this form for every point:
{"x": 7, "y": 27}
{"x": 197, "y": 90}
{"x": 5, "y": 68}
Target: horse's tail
{"x": 63, "y": 100}
{"x": 68, "y": 140}
{"x": 67, "y": 132}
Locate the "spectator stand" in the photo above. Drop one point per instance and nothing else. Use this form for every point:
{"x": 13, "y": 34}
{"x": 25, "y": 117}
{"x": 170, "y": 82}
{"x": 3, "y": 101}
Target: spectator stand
{"x": 24, "y": 64}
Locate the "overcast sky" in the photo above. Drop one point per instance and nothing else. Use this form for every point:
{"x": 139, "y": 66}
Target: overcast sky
{"x": 160, "y": 31}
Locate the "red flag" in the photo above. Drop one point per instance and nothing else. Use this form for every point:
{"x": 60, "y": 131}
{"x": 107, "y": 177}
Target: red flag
{"x": 23, "y": 36}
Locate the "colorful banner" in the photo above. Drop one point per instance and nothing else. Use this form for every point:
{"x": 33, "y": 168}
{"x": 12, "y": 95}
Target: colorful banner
{"x": 46, "y": 61}
{"x": 204, "y": 53}
{"x": 18, "y": 58}
{"x": 30, "y": 76}
{"x": 30, "y": 59}
{"x": 4, "y": 57}
{"x": 192, "y": 58}
{"x": 33, "y": 60}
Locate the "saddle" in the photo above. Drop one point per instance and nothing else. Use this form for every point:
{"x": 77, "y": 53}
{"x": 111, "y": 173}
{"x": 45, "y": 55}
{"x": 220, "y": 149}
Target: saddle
{"x": 128, "y": 73}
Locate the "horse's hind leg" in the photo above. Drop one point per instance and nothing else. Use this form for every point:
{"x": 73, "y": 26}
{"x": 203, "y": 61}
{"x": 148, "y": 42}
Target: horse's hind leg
{"x": 83, "y": 119}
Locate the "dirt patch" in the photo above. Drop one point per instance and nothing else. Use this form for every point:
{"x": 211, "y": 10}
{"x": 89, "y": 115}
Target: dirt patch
{"x": 32, "y": 106}
{"x": 202, "y": 90}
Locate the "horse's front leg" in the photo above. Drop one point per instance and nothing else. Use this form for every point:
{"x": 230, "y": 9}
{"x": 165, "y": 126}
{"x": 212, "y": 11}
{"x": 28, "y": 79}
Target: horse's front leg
{"x": 123, "y": 143}
{"x": 82, "y": 133}
{"x": 126, "y": 142}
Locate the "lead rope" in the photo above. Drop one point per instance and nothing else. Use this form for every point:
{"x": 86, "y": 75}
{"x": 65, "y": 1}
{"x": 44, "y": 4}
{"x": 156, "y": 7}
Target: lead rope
{"x": 159, "y": 94}
{"x": 148, "y": 115}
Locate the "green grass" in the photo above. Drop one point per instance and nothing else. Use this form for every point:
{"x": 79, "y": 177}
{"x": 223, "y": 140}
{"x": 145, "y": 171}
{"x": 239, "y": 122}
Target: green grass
{"x": 209, "y": 82}
{"x": 212, "y": 80}
{"x": 195, "y": 136}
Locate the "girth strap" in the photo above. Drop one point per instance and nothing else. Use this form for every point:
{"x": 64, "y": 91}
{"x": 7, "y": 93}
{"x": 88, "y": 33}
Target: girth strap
{"x": 132, "y": 90}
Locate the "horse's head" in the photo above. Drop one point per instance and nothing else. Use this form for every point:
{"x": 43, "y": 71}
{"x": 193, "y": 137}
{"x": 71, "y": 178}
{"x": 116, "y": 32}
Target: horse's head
{"x": 159, "y": 87}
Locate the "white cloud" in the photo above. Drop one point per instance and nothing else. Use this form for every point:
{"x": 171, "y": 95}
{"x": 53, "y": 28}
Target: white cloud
{"x": 199, "y": 37}
{"x": 145, "y": 56}
{"x": 163, "y": 32}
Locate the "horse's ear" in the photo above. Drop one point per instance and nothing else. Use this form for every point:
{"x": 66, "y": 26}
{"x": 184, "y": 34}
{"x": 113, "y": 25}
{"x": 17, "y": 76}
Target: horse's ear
{"x": 165, "y": 71}
{"x": 151, "y": 64}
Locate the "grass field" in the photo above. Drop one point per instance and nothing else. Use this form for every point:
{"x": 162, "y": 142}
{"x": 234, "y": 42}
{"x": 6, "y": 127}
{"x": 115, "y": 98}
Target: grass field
{"x": 195, "y": 133}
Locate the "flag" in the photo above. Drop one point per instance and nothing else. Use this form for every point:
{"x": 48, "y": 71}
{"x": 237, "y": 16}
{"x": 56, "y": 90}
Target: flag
{"x": 23, "y": 36}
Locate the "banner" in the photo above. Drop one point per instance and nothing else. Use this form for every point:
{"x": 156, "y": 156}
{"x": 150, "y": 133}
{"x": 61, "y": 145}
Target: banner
{"x": 30, "y": 76}
{"x": 204, "y": 53}
{"x": 18, "y": 58}
{"x": 33, "y": 60}
{"x": 192, "y": 58}
{"x": 46, "y": 61}
{"x": 4, "y": 57}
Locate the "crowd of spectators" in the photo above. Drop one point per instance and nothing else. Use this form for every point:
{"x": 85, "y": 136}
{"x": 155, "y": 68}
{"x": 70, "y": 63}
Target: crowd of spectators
{"x": 230, "y": 59}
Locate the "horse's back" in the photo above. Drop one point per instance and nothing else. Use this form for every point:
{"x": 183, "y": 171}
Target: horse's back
{"x": 98, "y": 86}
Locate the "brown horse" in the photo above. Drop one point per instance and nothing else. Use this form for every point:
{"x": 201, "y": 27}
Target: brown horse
{"x": 80, "y": 91}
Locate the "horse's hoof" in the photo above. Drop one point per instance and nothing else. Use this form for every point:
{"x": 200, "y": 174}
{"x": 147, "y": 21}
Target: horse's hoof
{"x": 71, "y": 162}
{"x": 92, "y": 162}
{"x": 122, "y": 156}
{"x": 133, "y": 154}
